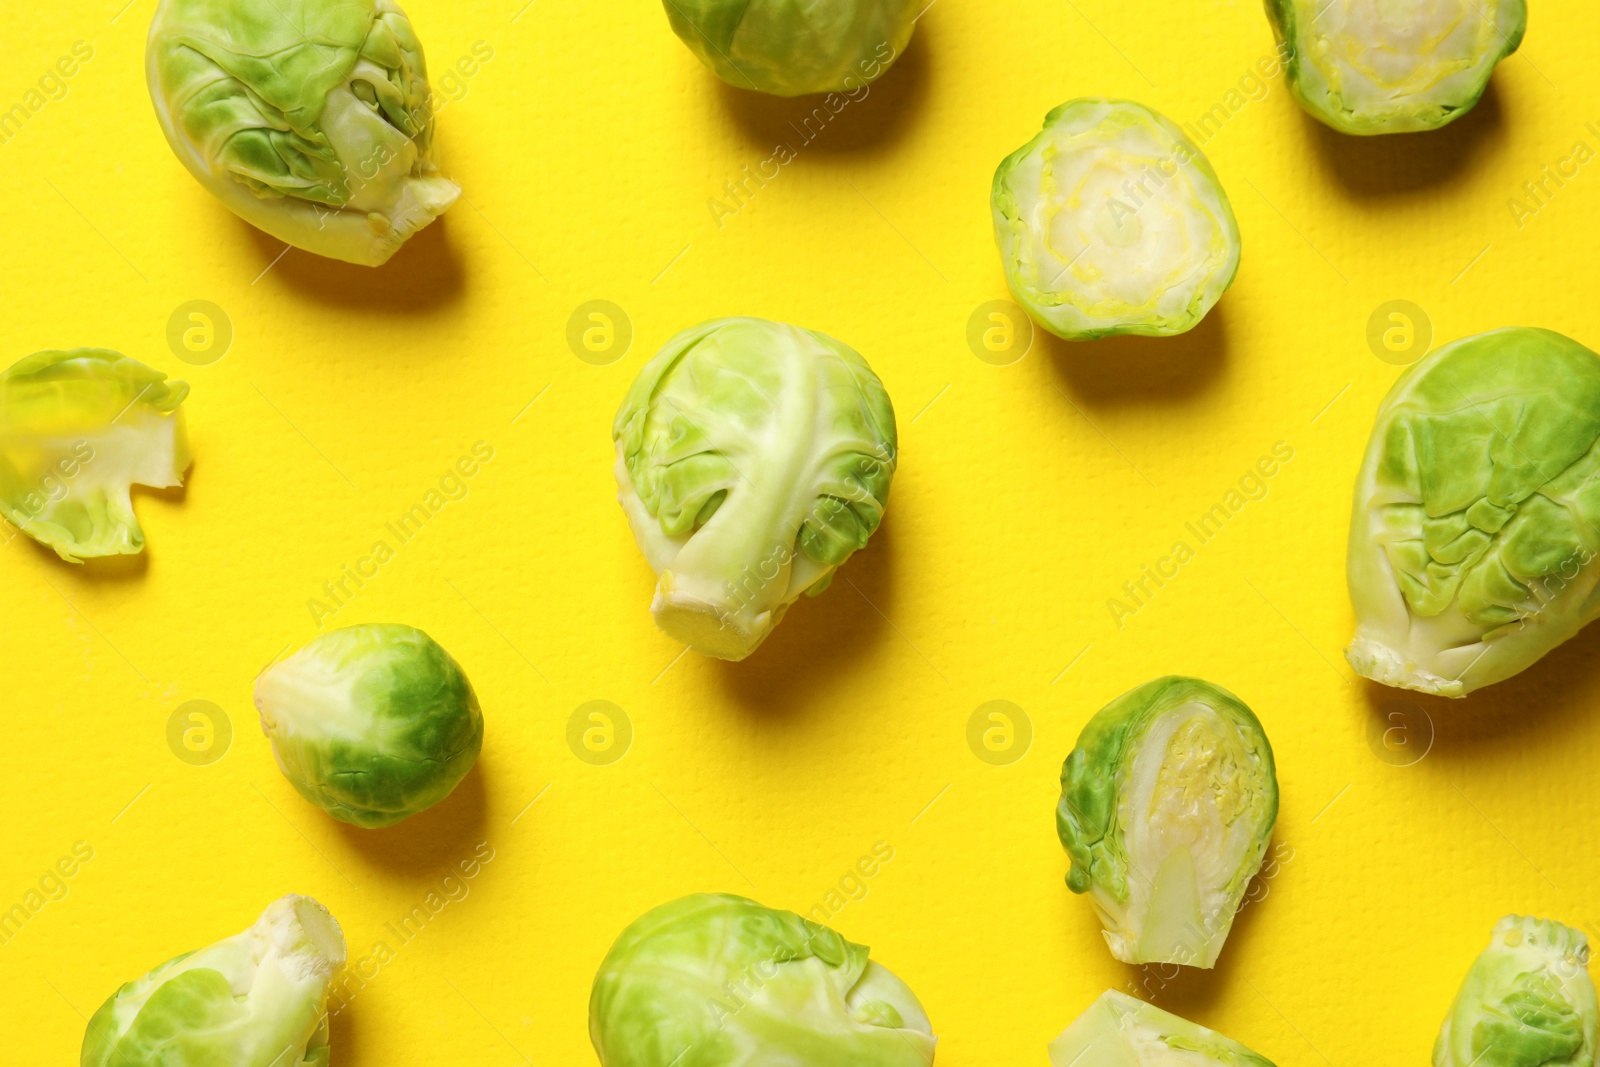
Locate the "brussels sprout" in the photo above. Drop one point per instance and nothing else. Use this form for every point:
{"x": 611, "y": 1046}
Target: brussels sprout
{"x": 1474, "y": 535}
{"x": 794, "y": 47}
{"x": 1396, "y": 66}
{"x": 1528, "y": 1001}
{"x": 1111, "y": 221}
{"x": 257, "y": 999}
{"x": 1122, "y": 1031}
{"x": 311, "y": 119}
{"x": 753, "y": 458}
{"x": 372, "y": 724}
{"x": 1167, "y": 805}
{"x": 78, "y": 430}
{"x": 720, "y": 981}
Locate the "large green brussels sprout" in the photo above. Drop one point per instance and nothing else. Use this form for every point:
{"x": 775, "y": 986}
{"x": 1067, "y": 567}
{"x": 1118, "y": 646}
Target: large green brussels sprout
{"x": 1167, "y": 805}
{"x": 720, "y": 981}
{"x": 311, "y": 119}
{"x": 1111, "y": 221}
{"x": 1393, "y": 66}
{"x": 372, "y": 724}
{"x": 78, "y": 430}
{"x": 753, "y": 458}
{"x": 793, "y": 47}
{"x": 257, "y": 999}
{"x": 1122, "y": 1031}
{"x": 1476, "y": 522}
{"x": 1528, "y": 1001}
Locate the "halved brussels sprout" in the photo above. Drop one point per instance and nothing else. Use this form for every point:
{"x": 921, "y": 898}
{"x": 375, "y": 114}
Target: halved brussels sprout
{"x": 1528, "y": 1001}
{"x": 1393, "y": 66}
{"x": 310, "y": 119}
{"x": 1122, "y": 1031}
{"x": 1111, "y": 221}
{"x": 1476, "y": 524}
{"x": 257, "y": 999}
{"x": 794, "y": 47}
{"x": 719, "y": 981}
{"x": 1167, "y": 805}
{"x": 78, "y": 430}
{"x": 372, "y": 724}
{"x": 753, "y": 459}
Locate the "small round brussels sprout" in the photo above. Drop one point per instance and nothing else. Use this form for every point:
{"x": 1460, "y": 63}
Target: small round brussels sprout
{"x": 310, "y": 119}
{"x": 794, "y": 47}
{"x": 1395, "y": 66}
{"x": 1127, "y": 1032}
{"x": 1475, "y": 531}
{"x": 1167, "y": 805}
{"x": 753, "y": 459}
{"x": 720, "y": 981}
{"x": 372, "y": 724}
{"x": 1528, "y": 1001}
{"x": 1111, "y": 221}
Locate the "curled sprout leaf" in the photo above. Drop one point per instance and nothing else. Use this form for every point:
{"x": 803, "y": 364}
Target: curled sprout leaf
{"x": 1476, "y": 523}
{"x": 795, "y": 47}
{"x": 1111, "y": 221}
{"x": 78, "y": 430}
{"x": 1528, "y": 1001}
{"x": 753, "y": 458}
{"x": 1123, "y": 1031}
{"x": 1393, "y": 66}
{"x": 257, "y": 999}
{"x": 720, "y": 981}
{"x": 1167, "y": 805}
{"x": 311, "y": 119}
{"x": 372, "y": 724}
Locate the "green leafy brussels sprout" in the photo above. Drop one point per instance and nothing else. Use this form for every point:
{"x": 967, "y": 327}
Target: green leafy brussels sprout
{"x": 720, "y": 981}
{"x": 311, "y": 119}
{"x": 794, "y": 47}
{"x": 78, "y": 430}
{"x": 1476, "y": 522}
{"x": 1124, "y": 1031}
{"x": 753, "y": 458}
{"x": 1528, "y": 1001}
{"x": 372, "y": 724}
{"x": 1167, "y": 805}
{"x": 1395, "y": 66}
{"x": 1111, "y": 221}
{"x": 257, "y": 999}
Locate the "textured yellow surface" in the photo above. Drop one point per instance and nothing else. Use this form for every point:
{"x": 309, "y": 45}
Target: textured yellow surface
{"x": 589, "y": 146}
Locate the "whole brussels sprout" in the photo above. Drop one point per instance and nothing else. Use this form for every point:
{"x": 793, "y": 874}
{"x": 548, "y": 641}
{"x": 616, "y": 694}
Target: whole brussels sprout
{"x": 1111, "y": 221}
{"x": 1167, "y": 805}
{"x": 720, "y": 981}
{"x": 753, "y": 459}
{"x": 1393, "y": 66}
{"x": 1476, "y": 524}
{"x": 372, "y": 724}
{"x": 257, "y": 999}
{"x": 78, "y": 430}
{"x": 794, "y": 47}
{"x": 1528, "y": 1001}
{"x": 311, "y": 119}
{"x": 1123, "y": 1031}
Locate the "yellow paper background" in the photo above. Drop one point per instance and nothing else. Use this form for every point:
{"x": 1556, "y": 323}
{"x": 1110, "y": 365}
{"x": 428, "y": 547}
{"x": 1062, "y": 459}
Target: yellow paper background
{"x": 588, "y": 148}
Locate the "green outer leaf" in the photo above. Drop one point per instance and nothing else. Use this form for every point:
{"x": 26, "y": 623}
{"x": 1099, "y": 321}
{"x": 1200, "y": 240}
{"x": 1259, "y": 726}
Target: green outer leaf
{"x": 795, "y": 47}
{"x": 1122, "y": 1031}
{"x": 373, "y": 723}
{"x": 714, "y": 980}
{"x": 1405, "y": 114}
